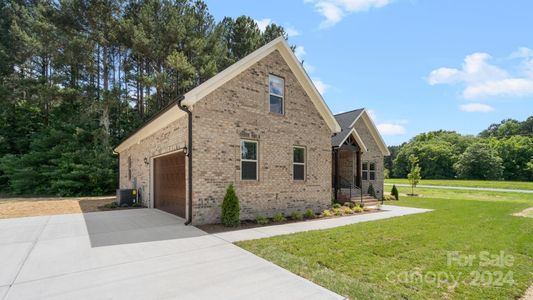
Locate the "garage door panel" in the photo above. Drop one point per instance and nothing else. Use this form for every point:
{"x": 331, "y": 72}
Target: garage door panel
{"x": 169, "y": 183}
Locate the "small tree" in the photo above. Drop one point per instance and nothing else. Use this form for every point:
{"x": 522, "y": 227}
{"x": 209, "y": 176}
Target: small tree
{"x": 414, "y": 176}
{"x": 371, "y": 191}
{"x": 394, "y": 192}
{"x": 231, "y": 209}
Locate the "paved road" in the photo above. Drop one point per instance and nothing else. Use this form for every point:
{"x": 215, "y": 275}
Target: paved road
{"x": 146, "y": 254}
{"x": 464, "y": 188}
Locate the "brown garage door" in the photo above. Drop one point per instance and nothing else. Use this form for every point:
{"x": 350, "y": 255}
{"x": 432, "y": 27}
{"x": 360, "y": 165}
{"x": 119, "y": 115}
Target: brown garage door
{"x": 169, "y": 183}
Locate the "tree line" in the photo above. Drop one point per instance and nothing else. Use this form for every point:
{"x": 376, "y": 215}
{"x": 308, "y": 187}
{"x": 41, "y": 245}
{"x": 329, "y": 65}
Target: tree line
{"x": 504, "y": 151}
{"x": 78, "y": 76}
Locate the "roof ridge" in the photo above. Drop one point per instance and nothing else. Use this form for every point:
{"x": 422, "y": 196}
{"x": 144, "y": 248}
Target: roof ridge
{"x": 342, "y": 113}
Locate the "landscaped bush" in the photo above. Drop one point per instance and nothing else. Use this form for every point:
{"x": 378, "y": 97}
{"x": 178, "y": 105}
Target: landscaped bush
{"x": 394, "y": 192}
{"x": 336, "y": 205}
{"x": 278, "y": 218}
{"x": 309, "y": 214}
{"x": 326, "y": 213}
{"x": 338, "y": 211}
{"x": 261, "y": 220}
{"x": 296, "y": 216}
{"x": 349, "y": 204}
{"x": 357, "y": 209}
{"x": 124, "y": 205}
{"x": 388, "y": 198}
{"x": 231, "y": 209}
{"x": 371, "y": 191}
{"x": 347, "y": 210}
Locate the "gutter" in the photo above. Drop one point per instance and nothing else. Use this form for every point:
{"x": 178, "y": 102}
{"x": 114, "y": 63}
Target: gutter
{"x": 189, "y": 157}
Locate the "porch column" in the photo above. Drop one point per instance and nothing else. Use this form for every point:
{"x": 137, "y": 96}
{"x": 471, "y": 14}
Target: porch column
{"x": 359, "y": 167}
{"x": 336, "y": 151}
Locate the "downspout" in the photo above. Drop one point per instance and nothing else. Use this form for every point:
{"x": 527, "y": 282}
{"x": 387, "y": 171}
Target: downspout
{"x": 189, "y": 157}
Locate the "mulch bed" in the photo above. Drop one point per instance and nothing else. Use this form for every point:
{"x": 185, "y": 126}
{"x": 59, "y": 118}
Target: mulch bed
{"x": 248, "y": 224}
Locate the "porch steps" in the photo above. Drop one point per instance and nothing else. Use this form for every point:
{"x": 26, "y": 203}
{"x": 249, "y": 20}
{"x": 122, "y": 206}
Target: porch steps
{"x": 368, "y": 200}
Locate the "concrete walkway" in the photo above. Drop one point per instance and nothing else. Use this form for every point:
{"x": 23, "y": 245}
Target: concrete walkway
{"x": 463, "y": 188}
{"x": 389, "y": 211}
{"x": 147, "y": 254}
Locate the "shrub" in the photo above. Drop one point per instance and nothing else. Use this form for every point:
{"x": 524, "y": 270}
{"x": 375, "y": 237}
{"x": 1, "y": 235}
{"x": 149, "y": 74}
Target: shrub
{"x": 124, "y": 205}
{"x": 388, "y": 198}
{"x": 278, "y": 218}
{"x": 261, "y": 220}
{"x": 349, "y": 204}
{"x": 326, "y": 213}
{"x": 296, "y": 215}
{"x": 309, "y": 214}
{"x": 336, "y": 205}
{"x": 347, "y": 210}
{"x": 394, "y": 192}
{"x": 137, "y": 204}
{"x": 357, "y": 209}
{"x": 371, "y": 191}
{"x": 338, "y": 211}
{"x": 230, "y": 208}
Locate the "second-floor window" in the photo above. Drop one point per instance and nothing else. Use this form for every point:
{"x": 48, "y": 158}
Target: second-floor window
{"x": 369, "y": 171}
{"x": 277, "y": 92}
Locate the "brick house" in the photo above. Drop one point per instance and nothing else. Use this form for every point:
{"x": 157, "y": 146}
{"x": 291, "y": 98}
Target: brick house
{"x": 260, "y": 124}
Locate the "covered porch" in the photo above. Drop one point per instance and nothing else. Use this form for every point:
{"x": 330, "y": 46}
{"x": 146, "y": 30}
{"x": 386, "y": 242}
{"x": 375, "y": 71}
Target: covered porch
{"x": 347, "y": 168}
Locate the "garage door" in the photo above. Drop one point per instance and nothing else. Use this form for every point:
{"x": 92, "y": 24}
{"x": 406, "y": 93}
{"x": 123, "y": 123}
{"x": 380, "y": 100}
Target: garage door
{"x": 169, "y": 183}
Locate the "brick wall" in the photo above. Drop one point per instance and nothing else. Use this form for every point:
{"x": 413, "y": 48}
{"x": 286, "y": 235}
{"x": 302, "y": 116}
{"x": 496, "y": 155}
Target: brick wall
{"x": 240, "y": 110}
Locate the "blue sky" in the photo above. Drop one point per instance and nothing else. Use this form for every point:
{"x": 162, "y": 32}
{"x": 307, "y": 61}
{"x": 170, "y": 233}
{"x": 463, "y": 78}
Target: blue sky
{"x": 416, "y": 65}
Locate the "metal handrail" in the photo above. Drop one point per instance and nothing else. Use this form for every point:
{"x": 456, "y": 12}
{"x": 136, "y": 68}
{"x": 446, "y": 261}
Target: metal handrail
{"x": 352, "y": 187}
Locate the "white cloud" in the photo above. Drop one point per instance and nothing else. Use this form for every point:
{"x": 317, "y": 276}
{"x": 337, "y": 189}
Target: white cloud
{"x": 476, "y": 107}
{"x": 522, "y": 52}
{"x": 263, "y": 23}
{"x": 391, "y": 129}
{"x": 299, "y": 51}
{"x": 320, "y": 85}
{"x": 335, "y": 10}
{"x": 291, "y": 31}
{"x": 483, "y": 79}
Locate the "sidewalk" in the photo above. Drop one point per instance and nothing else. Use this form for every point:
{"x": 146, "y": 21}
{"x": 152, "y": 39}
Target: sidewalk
{"x": 388, "y": 211}
{"x": 463, "y": 188}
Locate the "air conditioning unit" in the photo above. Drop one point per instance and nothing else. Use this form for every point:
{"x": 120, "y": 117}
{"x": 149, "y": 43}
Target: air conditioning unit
{"x": 127, "y": 196}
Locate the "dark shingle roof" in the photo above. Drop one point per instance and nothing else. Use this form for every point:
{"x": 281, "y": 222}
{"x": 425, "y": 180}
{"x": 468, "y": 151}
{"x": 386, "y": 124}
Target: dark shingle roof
{"x": 345, "y": 120}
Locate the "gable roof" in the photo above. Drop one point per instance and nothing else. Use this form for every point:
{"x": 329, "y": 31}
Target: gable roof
{"x": 190, "y": 98}
{"x": 347, "y": 122}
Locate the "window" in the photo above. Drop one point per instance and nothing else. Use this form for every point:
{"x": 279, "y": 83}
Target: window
{"x": 248, "y": 160}
{"x": 277, "y": 90}
{"x": 129, "y": 167}
{"x": 369, "y": 171}
{"x": 298, "y": 163}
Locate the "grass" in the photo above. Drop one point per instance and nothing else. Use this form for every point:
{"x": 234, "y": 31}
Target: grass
{"x": 356, "y": 260}
{"x": 520, "y": 185}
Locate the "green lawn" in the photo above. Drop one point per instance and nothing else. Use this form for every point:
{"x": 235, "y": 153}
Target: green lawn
{"x": 368, "y": 260}
{"x": 520, "y": 185}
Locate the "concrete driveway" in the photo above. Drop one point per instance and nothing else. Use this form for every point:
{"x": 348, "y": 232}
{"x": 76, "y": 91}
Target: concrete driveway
{"x": 134, "y": 254}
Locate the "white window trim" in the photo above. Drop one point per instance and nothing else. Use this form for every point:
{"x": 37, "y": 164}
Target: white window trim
{"x": 274, "y": 94}
{"x": 251, "y": 160}
{"x": 298, "y": 163}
